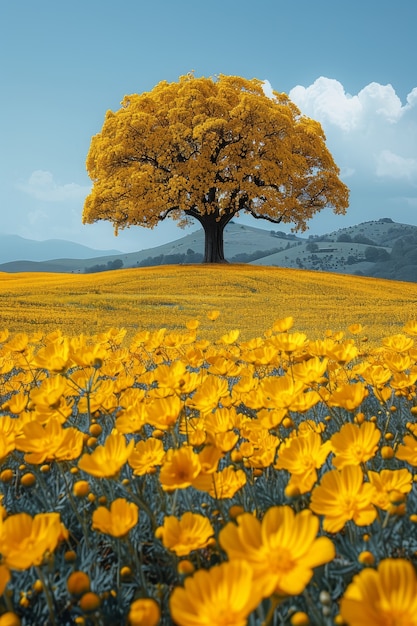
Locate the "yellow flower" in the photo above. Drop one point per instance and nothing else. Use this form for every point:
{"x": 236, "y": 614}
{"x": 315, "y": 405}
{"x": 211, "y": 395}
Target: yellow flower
{"x": 388, "y": 483}
{"x": 192, "y": 324}
{"x": 299, "y": 619}
{"x": 179, "y": 469}
{"x": 356, "y": 329}
{"x": 169, "y": 378}
{"x": 209, "y": 458}
{"x": 18, "y": 343}
{"x": 49, "y": 442}
{"x": 384, "y": 596}
{"x": 289, "y": 342}
{"x": 343, "y": 496}
{"x": 302, "y": 456}
{"x": 10, "y": 619}
{"x": 366, "y": 558}
{"x": 81, "y": 488}
{"x": 132, "y": 419}
{"x": 223, "y": 484}
{"x": 230, "y": 337}
{"x": 88, "y": 355}
{"x": 54, "y": 356}
{"x": 146, "y": 456}
{"x": 144, "y": 612}
{"x": 354, "y": 444}
{"x": 398, "y": 343}
{"x": 407, "y": 451}
{"x": 163, "y": 412}
{"x": 78, "y": 583}
{"x": 25, "y": 540}
{"x": 282, "y": 325}
{"x": 280, "y": 392}
{"x": 89, "y": 602}
{"x": 343, "y": 352}
{"x": 411, "y": 327}
{"x": 49, "y": 396}
{"x": 224, "y": 595}
{"x": 264, "y": 449}
{"x": 376, "y": 375}
{"x": 106, "y": 461}
{"x": 213, "y": 315}
{"x": 117, "y": 521}
{"x": 9, "y": 428}
{"x": 192, "y": 532}
{"x": 310, "y": 371}
{"x": 348, "y": 397}
{"x": 282, "y": 550}
{"x": 208, "y": 394}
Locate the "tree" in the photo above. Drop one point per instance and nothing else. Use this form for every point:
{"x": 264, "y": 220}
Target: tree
{"x": 210, "y": 149}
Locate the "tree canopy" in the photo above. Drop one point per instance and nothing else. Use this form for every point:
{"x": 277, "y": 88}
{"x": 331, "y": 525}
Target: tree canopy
{"x": 209, "y": 149}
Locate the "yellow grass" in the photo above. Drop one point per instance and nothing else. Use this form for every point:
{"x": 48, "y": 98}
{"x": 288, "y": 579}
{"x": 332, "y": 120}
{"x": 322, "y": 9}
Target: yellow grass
{"x": 250, "y": 298}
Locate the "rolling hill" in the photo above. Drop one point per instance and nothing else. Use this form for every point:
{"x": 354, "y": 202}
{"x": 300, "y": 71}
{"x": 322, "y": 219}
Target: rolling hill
{"x": 381, "y": 248}
{"x": 15, "y": 248}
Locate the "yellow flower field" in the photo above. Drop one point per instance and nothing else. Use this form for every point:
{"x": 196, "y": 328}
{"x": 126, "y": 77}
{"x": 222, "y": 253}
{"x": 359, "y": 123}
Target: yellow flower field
{"x": 248, "y": 296}
{"x": 227, "y": 445}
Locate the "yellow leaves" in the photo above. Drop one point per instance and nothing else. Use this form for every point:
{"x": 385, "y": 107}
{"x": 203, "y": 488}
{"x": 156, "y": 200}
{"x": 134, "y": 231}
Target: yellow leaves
{"x": 198, "y": 144}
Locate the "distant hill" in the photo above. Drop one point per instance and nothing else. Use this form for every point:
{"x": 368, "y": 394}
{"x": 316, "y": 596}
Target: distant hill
{"x": 15, "y": 248}
{"x": 380, "y": 248}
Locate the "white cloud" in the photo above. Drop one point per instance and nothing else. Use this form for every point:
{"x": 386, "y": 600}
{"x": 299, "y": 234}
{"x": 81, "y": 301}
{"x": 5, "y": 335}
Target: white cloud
{"x": 42, "y": 186}
{"x": 327, "y": 101}
{"x": 267, "y": 88}
{"x": 371, "y": 135}
{"x": 395, "y": 166}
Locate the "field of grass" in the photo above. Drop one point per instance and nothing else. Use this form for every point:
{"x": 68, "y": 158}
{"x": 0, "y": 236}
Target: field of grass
{"x": 159, "y": 470}
{"x": 249, "y": 298}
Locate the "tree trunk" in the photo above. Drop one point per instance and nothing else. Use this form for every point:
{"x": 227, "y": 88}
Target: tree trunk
{"x": 213, "y": 241}
{"x": 213, "y": 225}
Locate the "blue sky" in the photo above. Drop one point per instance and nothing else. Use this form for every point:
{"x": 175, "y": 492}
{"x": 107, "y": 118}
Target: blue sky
{"x": 349, "y": 64}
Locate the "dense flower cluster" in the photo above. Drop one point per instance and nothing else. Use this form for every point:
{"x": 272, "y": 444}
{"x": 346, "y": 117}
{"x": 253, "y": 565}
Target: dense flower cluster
{"x": 173, "y": 479}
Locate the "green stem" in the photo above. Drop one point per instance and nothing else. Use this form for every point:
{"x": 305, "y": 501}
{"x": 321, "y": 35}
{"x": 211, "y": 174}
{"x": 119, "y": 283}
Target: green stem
{"x": 74, "y": 507}
{"x": 48, "y": 596}
{"x": 275, "y": 601}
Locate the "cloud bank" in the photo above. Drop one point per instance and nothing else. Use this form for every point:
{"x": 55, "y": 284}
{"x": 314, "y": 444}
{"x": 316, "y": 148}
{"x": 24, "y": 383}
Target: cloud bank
{"x": 372, "y": 133}
{"x": 42, "y": 186}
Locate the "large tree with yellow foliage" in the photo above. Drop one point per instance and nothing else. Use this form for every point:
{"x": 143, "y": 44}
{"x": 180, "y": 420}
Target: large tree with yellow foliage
{"x": 210, "y": 149}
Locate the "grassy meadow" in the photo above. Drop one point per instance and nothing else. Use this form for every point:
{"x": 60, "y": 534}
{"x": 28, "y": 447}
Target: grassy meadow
{"x": 249, "y": 298}
{"x": 207, "y": 446}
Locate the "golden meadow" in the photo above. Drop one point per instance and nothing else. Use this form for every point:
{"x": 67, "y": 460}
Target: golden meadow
{"x": 196, "y": 445}
{"x": 250, "y": 299}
